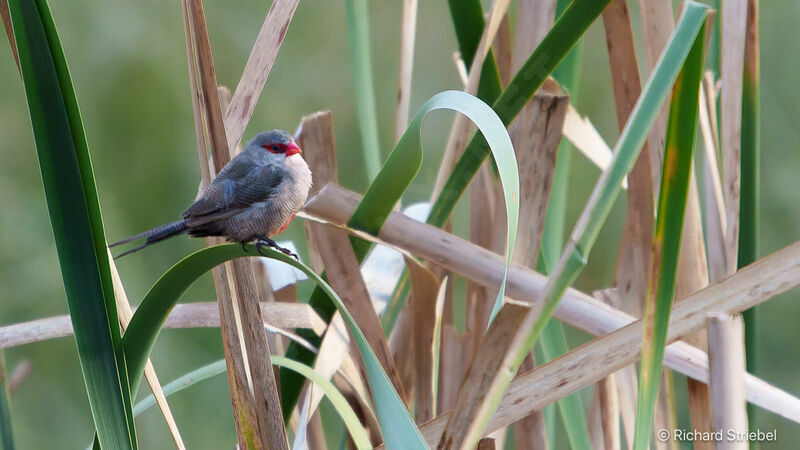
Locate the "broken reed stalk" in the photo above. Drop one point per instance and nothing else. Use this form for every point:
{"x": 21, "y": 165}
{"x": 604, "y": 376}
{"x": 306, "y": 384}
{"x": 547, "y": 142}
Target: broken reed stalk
{"x": 535, "y": 145}
{"x": 633, "y": 263}
{"x": 727, "y": 369}
{"x": 335, "y": 204}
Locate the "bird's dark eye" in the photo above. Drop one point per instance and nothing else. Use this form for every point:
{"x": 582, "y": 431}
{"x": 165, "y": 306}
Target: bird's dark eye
{"x": 275, "y": 147}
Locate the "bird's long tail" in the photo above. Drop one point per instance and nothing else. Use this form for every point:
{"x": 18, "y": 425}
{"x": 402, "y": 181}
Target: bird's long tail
{"x": 157, "y": 234}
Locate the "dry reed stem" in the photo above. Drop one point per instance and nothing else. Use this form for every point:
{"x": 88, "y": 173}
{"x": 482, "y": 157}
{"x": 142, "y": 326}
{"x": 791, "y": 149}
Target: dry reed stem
{"x": 727, "y": 369}
{"x": 752, "y": 285}
{"x": 609, "y": 411}
{"x": 197, "y": 100}
{"x": 408, "y": 30}
{"x": 585, "y": 137}
{"x": 254, "y": 394}
{"x": 280, "y": 317}
{"x": 732, "y": 42}
{"x": 633, "y": 263}
{"x": 771, "y": 275}
{"x": 487, "y": 444}
{"x": 535, "y": 134}
{"x": 627, "y": 380}
{"x": 461, "y": 69}
{"x": 715, "y": 205}
{"x": 257, "y": 69}
{"x": 461, "y": 427}
{"x": 427, "y": 304}
{"x": 6, "y": 18}
{"x": 459, "y": 133}
{"x": 658, "y": 24}
{"x": 125, "y": 315}
{"x": 262, "y": 376}
{"x": 534, "y": 20}
{"x": 331, "y": 356}
{"x": 319, "y": 150}
{"x": 503, "y": 50}
{"x": 452, "y": 361}
{"x": 344, "y": 275}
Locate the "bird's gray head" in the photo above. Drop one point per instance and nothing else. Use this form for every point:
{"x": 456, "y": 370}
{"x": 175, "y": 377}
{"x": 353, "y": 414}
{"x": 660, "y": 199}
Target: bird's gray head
{"x": 278, "y": 143}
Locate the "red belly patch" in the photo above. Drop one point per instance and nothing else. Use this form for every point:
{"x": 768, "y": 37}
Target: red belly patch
{"x": 285, "y": 226}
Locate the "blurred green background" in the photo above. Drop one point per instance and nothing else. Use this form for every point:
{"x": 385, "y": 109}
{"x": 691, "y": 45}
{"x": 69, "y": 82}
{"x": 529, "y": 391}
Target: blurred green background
{"x": 129, "y": 68}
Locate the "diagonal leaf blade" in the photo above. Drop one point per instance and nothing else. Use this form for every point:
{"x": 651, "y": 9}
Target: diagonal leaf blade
{"x": 677, "y": 170}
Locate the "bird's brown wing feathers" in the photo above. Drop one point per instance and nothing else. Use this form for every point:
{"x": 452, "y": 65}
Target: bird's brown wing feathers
{"x": 230, "y": 194}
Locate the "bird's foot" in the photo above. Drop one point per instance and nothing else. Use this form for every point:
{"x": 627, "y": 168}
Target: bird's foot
{"x": 244, "y": 247}
{"x": 262, "y": 242}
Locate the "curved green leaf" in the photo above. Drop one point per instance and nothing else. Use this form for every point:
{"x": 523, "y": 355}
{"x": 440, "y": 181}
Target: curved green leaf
{"x": 75, "y": 217}
{"x": 348, "y": 416}
{"x": 394, "y": 178}
{"x": 397, "y": 426}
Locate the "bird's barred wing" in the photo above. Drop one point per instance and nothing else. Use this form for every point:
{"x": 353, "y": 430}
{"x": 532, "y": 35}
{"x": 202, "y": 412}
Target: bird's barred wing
{"x": 228, "y": 195}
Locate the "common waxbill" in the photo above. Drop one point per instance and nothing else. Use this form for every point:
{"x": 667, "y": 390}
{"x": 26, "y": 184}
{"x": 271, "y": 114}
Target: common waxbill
{"x": 254, "y": 197}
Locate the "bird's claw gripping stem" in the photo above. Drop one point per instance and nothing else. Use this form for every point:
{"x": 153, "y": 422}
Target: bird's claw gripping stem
{"x": 262, "y": 242}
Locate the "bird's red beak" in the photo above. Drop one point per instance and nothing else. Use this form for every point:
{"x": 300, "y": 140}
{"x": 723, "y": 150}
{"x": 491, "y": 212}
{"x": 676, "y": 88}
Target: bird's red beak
{"x": 292, "y": 149}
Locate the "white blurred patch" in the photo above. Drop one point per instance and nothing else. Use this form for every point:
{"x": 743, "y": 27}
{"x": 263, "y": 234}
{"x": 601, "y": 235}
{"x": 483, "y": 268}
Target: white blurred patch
{"x": 281, "y": 274}
{"x": 383, "y": 266}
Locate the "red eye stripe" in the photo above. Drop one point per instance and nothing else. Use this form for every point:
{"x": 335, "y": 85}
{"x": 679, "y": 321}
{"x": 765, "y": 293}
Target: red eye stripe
{"x": 275, "y": 147}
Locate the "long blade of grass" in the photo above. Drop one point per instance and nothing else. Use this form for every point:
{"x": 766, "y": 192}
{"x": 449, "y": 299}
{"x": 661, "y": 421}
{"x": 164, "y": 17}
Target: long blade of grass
{"x": 358, "y": 36}
{"x": 596, "y": 211}
{"x": 346, "y": 413}
{"x": 675, "y": 178}
{"x": 75, "y": 218}
{"x": 397, "y": 426}
{"x": 750, "y": 156}
{"x": 398, "y": 172}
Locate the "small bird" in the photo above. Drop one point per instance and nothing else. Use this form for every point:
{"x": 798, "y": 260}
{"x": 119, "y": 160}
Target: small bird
{"x": 254, "y": 197}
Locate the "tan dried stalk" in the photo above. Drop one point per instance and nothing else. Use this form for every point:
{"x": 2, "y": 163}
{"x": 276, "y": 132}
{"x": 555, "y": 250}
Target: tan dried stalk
{"x": 257, "y": 69}
{"x": 727, "y": 369}
{"x": 254, "y": 393}
{"x": 408, "y": 31}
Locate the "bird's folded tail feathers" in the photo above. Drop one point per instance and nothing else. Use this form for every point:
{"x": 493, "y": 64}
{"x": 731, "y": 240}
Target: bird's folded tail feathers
{"x": 155, "y": 235}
